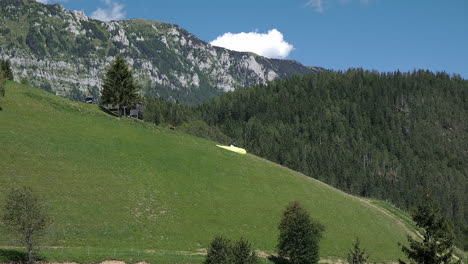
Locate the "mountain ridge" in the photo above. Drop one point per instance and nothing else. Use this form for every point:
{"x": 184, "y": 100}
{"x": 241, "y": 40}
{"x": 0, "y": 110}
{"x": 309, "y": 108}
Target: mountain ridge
{"x": 67, "y": 52}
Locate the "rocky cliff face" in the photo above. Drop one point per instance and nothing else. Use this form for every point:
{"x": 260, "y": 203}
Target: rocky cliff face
{"x": 67, "y": 52}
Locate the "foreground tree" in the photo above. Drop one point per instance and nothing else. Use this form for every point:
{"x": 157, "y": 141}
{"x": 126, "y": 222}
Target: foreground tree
{"x": 242, "y": 253}
{"x": 357, "y": 255}
{"x": 5, "y": 67}
{"x": 25, "y": 215}
{"x": 219, "y": 251}
{"x": 436, "y": 246}
{"x": 299, "y": 236}
{"x": 223, "y": 251}
{"x": 119, "y": 87}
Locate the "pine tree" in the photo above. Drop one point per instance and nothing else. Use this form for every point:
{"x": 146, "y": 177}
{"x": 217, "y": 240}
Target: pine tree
{"x": 299, "y": 236}
{"x": 357, "y": 255}
{"x": 6, "y": 69}
{"x": 219, "y": 251}
{"x": 2, "y": 85}
{"x": 242, "y": 253}
{"x": 223, "y": 251}
{"x": 436, "y": 246}
{"x": 119, "y": 86}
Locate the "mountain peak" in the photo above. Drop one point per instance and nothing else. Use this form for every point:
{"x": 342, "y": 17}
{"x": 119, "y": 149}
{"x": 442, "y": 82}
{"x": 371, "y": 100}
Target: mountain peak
{"x": 67, "y": 52}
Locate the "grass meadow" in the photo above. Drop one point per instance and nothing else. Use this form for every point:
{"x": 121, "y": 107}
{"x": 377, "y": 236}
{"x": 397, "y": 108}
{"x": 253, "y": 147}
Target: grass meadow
{"x": 125, "y": 189}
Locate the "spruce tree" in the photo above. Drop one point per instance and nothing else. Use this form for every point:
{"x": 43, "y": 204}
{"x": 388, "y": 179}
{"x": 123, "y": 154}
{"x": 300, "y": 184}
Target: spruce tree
{"x": 357, "y": 255}
{"x": 299, "y": 236}
{"x": 242, "y": 253}
{"x": 2, "y": 85}
{"x": 119, "y": 87}
{"x": 436, "y": 246}
{"x": 6, "y": 69}
{"x": 219, "y": 251}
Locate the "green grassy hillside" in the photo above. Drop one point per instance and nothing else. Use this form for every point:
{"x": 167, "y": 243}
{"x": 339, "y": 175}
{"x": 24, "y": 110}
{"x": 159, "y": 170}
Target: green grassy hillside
{"x": 118, "y": 185}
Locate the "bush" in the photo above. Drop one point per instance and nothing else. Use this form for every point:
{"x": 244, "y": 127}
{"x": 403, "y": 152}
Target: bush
{"x": 242, "y": 253}
{"x": 223, "y": 251}
{"x": 219, "y": 251}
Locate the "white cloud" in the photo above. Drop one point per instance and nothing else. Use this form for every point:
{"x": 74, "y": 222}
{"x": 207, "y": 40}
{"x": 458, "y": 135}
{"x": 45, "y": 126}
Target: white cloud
{"x": 51, "y": 1}
{"x": 317, "y": 5}
{"x": 270, "y": 45}
{"x": 112, "y": 11}
{"x": 321, "y": 5}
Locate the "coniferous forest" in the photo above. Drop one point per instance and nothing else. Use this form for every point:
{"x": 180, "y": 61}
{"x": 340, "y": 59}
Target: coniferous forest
{"x": 399, "y": 137}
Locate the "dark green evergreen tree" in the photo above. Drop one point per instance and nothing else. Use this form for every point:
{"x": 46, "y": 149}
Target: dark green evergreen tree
{"x": 5, "y": 67}
{"x": 242, "y": 253}
{"x": 119, "y": 87}
{"x": 436, "y": 246}
{"x": 2, "y": 84}
{"x": 299, "y": 236}
{"x": 2, "y": 87}
{"x": 357, "y": 255}
{"x": 219, "y": 251}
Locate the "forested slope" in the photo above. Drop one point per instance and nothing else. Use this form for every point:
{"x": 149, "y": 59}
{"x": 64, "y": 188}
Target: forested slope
{"x": 393, "y": 136}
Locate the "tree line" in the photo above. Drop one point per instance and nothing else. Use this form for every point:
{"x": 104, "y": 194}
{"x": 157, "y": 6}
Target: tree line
{"x": 391, "y": 136}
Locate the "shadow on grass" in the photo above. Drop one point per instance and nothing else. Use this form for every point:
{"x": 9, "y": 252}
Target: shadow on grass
{"x": 278, "y": 260}
{"x": 16, "y": 256}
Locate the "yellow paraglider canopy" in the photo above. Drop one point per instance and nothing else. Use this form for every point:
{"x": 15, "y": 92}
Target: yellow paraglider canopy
{"x": 234, "y": 149}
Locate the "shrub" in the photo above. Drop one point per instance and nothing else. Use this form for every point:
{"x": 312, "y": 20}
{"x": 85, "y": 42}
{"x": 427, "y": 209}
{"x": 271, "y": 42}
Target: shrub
{"x": 223, "y": 251}
{"x": 242, "y": 253}
{"x": 219, "y": 251}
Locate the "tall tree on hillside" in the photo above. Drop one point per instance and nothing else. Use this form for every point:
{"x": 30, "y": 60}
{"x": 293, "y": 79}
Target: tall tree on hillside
{"x": 119, "y": 86}
{"x": 2, "y": 85}
{"x": 5, "y": 67}
{"x": 436, "y": 246}
{"x": 299, "y": 236}
{"x": 26, "y": 216}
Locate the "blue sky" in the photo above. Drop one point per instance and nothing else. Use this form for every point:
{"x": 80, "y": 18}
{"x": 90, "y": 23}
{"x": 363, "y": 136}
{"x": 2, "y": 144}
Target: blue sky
{"x": 385, "y": 35}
